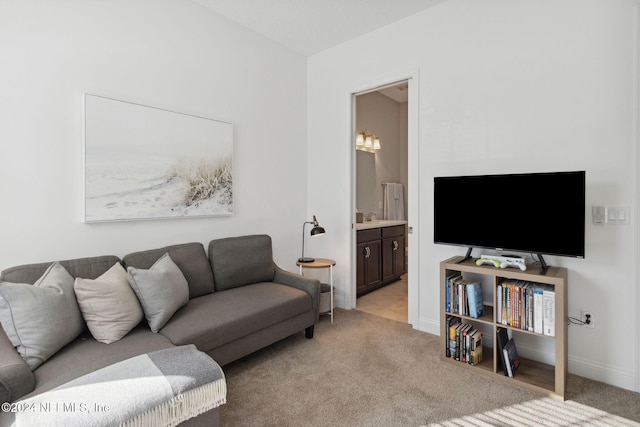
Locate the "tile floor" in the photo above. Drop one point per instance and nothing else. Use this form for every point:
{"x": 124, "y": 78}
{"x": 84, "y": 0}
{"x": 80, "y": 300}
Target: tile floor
{"x": 390, "y": 301}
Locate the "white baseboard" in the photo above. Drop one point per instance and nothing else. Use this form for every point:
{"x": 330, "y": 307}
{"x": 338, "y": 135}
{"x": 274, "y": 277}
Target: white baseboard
{"x": 622, "y": 378}
{"x": 428, "y": 325}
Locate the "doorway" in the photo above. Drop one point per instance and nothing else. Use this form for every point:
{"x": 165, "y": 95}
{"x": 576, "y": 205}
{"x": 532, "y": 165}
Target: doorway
{"x": 383, "y": 123}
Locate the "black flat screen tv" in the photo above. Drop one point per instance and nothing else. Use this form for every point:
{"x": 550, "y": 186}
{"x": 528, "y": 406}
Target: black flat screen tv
{"x": 541, "y": 213}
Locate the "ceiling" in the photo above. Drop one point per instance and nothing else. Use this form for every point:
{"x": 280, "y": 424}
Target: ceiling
{"x": 398, "y": 92}
{"x": 311, "y": 26}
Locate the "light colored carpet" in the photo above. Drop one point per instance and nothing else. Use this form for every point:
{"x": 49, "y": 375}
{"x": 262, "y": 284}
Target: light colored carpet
{"x": 364, "y": 370}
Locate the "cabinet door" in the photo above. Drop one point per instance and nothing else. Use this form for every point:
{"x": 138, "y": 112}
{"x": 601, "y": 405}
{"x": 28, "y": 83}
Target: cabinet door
{"x": 361, "y": 253}
{"x": 393, "y": 258}
{"x": 368, "y": 269}
{"x": 388, "y": 259}
{"x": 373, "y": 267}
{"x": 399, "y": 259}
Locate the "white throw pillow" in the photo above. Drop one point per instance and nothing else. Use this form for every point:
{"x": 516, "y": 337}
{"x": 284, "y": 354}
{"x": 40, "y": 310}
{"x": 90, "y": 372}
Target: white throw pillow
{"x": 161, "y": 290}
{"x": 108, "y": 304}
{"x": 42, "y": 318}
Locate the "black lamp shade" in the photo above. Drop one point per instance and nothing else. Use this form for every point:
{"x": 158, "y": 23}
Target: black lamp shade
{"x": 317, "y": 230}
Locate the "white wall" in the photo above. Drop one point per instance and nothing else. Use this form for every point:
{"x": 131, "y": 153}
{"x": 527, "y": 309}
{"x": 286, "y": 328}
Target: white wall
{"x": 504, "y": 86}
{"x": 172, "y": 54}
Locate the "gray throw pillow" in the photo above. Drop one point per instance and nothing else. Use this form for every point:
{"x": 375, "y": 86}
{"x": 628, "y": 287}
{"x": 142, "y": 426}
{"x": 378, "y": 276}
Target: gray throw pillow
{"x": 108, "y": 304}
{"x": 42, "y": 318}
{"x": 161, "y": 290}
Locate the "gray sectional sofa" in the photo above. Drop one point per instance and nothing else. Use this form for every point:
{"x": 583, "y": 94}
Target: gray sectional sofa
{"x": 238, "y": 302}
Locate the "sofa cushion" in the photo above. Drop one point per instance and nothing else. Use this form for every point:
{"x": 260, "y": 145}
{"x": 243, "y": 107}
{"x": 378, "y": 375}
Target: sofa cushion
{"x": 89, "y": 268}
{"x": 84, "y": 355}
{"x": 161, "y": 290}
{"x": 214, "y": 320}
{"x": 42, "y": 318}
{"x": 189, "y": 257}
{"x": 108, "y": 304}
{"x": 238, "y": 261}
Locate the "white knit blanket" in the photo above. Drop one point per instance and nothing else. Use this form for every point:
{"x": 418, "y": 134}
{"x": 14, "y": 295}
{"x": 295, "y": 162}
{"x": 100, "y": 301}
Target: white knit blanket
{"x": 161, "y": 388}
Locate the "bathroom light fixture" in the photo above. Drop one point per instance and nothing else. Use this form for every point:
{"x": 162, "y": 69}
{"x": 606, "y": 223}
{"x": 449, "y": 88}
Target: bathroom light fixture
{"x": 315, "y": 231}
{"x": 367, "y": 141}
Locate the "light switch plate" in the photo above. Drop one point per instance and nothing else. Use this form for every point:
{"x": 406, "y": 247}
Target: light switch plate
{"x": 617, "y": 215}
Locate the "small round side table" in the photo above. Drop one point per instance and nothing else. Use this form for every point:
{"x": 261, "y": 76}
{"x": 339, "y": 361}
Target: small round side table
{"x": 322, "y": 263}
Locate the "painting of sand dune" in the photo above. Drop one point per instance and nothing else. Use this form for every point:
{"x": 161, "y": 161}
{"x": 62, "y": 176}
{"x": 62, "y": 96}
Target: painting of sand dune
{"x": 143, "y": 162}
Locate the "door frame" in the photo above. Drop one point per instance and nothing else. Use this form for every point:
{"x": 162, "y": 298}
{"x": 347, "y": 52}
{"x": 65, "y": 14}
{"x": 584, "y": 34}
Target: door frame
{"x": 413, "y": 193}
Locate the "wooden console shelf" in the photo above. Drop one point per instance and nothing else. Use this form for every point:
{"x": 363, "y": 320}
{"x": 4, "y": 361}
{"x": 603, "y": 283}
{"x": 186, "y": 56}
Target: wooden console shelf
{"x": 548, "y": 379}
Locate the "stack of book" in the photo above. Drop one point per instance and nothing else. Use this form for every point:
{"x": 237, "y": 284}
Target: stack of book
{"x": 526, "y": 305}
{"x": 464, "y": 341}
{"x": 464, "y": 297}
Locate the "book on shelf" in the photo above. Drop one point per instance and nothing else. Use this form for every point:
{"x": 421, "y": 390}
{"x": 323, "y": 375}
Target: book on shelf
{"x": 537, "y": 309}
{"x": 549, "y": 310}
{"x": 499, "y": 303}
{"x": 450, "y": 339}
{"x": 504, "y": 318}
{"x": 460, "y": 333}
{"x": 466, "y": 356}
{"x": 474, "y": 299}
{"x": 502, "y": 338}
{"x": 449, "y": 281}
{"x": 511, "y": 359}
{"x": 529, "y": 306}
{"x": 453, "y": 329}
{"x": 476, "y": 347}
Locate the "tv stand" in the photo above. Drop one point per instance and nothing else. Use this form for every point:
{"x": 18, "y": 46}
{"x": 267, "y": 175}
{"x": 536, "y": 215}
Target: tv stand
{"x": 546, "y": 376}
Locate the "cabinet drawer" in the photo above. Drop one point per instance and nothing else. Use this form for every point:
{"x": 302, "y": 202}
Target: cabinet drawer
{"x": 368, "y": 235}
{"x": 393, "y": 231}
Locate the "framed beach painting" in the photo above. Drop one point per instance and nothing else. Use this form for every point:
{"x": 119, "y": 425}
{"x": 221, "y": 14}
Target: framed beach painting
{"x": 142, "y": 162}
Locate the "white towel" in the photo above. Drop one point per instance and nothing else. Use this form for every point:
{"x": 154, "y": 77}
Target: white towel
{"x": 393, "y": 201}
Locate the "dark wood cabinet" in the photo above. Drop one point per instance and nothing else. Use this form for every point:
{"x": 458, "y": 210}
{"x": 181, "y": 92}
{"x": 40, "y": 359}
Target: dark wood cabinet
{"x": 380, "y": 257}
{"x": 369, "y": 272}
{"x": 393, "y": 258}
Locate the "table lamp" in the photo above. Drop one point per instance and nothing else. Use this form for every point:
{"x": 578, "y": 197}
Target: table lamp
{"x": 315, "y": 231}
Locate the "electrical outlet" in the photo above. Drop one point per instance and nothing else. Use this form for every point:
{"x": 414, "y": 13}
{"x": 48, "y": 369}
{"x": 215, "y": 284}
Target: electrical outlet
{"x": 587, "y": 317}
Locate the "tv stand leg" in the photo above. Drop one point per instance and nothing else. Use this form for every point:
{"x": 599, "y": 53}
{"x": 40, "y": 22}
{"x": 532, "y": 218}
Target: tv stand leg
{"x": 543, "y": 264}
{"x": 467, "y": 256}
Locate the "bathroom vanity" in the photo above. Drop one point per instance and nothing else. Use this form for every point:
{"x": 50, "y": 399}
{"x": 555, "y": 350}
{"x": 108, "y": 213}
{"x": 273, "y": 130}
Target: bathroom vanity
{"x": 381, "y": 256}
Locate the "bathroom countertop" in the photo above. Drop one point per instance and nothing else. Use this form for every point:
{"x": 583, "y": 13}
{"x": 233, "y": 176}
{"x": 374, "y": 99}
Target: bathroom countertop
{"x": 378, "y": 223}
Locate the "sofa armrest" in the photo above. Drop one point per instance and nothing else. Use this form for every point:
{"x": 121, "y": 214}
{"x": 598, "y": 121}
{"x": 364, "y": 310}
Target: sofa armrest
{"x": 310, "y": 286}
{"x": 16, "y": 378}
